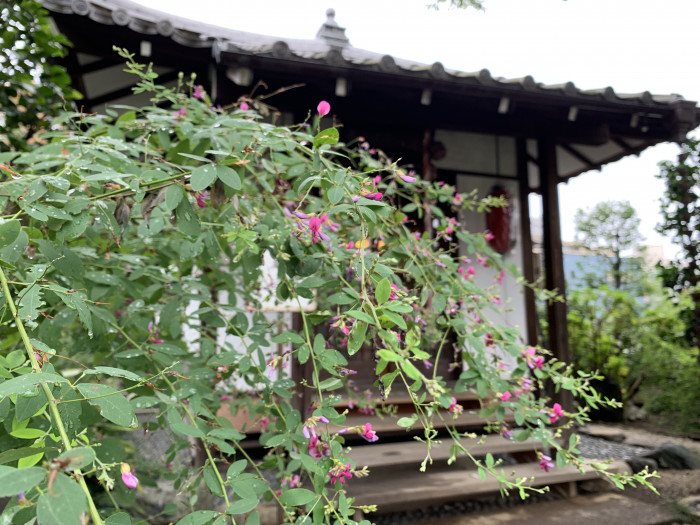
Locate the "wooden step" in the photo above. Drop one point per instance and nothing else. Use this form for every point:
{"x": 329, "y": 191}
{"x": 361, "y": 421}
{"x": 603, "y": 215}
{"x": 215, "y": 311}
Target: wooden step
{"x": 398, "y": 397}
{"x": 380, "y": 455}
{"x": 466, "y": 420}
{"x": 405, "y": 488}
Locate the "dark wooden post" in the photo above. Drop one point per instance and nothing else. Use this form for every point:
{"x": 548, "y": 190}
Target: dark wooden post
{"x": 554, "y": 260}
{"x": 526, "y": 240}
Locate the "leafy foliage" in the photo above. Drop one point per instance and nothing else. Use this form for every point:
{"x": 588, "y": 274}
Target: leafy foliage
{"x": 680, "y": 208}
{"x": 145, "y": 260}
{"x": 33, "y": 88}
{"x": 608, "y": 230}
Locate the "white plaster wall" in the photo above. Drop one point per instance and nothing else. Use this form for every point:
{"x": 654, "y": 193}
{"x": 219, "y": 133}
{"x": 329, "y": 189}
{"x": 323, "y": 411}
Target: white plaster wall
{"x": 510, "y": 291}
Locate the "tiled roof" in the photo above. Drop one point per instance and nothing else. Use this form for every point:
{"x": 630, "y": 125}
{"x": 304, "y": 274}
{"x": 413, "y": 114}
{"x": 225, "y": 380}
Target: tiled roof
{"x": 330, "y": 46}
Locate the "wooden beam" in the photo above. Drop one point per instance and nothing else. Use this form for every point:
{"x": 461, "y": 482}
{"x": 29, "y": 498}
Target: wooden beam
{"x": 554, "y": 260}
{"x": 526, "y": 241}
{"x": 580, "y": 156}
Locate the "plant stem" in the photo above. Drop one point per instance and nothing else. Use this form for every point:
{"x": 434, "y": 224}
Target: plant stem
{"x": 49, "y": 395}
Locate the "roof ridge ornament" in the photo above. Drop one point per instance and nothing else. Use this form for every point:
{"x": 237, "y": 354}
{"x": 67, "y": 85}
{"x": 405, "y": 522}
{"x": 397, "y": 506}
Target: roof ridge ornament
{"x": 331, "y": 32}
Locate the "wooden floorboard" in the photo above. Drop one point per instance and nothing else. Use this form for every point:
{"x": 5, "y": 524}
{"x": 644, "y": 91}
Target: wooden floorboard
{"x": 401, "y": 490}
{"x": 376, "y": 455}
{"x": 467, "y": 419}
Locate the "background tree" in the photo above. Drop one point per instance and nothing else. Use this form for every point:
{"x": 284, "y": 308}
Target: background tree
{"x": 680, "y": 209}
{"x": 32, "y": 86}
{"x": 608, "y": 230}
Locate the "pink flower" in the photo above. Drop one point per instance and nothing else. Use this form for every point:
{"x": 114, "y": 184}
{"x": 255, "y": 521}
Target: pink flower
{"x": 546, "y": 462}
{"x": 340, "y": 473}
{"x": 180, "y": 113}
{"x": 407, "y": 178}
{"x": 201, "y": 197}
{"x": 489, "y": 236}
{"x": 533, "y": 360}
{"x": 318, "y": 448}
{"x": 244, "y": 106}
{"x": 224, "y": 398}
{"x": 394, "y": 289}
{"x": 504, "y": 396}
{"x": 556, "y": 413}
{"x": 128, "y": 477}
{"x": 506, "y": 432}
{"x": 323, "y": 108}
{"x": 315, "y": 229}
{"x": 198, "y": 93}
{"x": 455, "y": 407}
{"x": 374, "y": 196}
{"x": 499, "y": 277}
{"x": 369, "y": 434}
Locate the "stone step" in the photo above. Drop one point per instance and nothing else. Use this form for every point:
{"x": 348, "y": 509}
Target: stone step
{"x": 381, "y": 455}
{"x": 403, "y": 488}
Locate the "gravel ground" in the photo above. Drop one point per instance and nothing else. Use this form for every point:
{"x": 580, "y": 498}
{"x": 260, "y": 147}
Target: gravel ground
{"x": 602, "y": 449}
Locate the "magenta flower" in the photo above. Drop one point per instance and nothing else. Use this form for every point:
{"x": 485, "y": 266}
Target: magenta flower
{"x": 128, "y": 477}
{"x": 369, "y": 434}
{"x": 455, "y": 407}
{"x": 244, "y": 106}
{"x": 315, "y": 229}
{"x": 323, "y": 108}
{"x": 504, "y": 396}
{"x": 340, "y": 473}
{"x": 201, "y": 198}
{"x": 546, "y": 462}
{"x": 408, "y": 178}
{"x": 499, "y": 277}
{"x": 374, "y": 196}
{"x": 489, "y": 236}
{"x": 317, "y": 448}
{"x": 556, "y": 413}
{"x": 533, "y": 360}
{"x": 506, "y": 432}
{"x": 198, "y": 92}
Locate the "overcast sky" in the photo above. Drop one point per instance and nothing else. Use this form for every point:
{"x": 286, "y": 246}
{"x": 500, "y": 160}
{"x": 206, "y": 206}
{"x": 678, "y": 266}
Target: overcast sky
{"x": 631, "y": 45}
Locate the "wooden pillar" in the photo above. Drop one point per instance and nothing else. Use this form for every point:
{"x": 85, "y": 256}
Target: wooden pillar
{"x": 554, "y": 260}
{"x": 526, "y": 240}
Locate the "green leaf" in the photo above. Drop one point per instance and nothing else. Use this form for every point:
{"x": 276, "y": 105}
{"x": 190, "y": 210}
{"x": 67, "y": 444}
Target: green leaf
{"x": 178, "y": 425}
{"x": 340, "y": 298}
{"x": 212, "y": 482}
{"x": 296, "y": 497}
{"x": 27, "y": 433}
{"x": 242, "y": 506}
{"x": 288, "y": 337}
{"x": 111, "y": 404}
{"x": 335, "y": 195}
{"x": 406, "y": 422}
{"x": 9, "y": 231}
{"x": 203, "y": 177}
{"x": 327, "y": 136}
{"x": 27, "y": 383}
{"x": 78, "y": 458}
{"x": 439, "y": 303}
{"x": 18, "y": 453}
{"x": 360, "y": 316}
{"x": 120, "y": 518}
{"x": 173, "y": 196}
{"x": 13, "y": 481}
{"x": 357, "y": 337}
{"x": 253, "y": 519}
{"x": 229, "y": 176}
{"x": 187, "y": 221}
{"x": 383, "y": 291}
{"x": 388, "y": 355}
{"x": 30, "y": 304}
{"x": 199, "y": 517}
{"x": 115, "y": 372}
{"x": 63, "y": 504}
